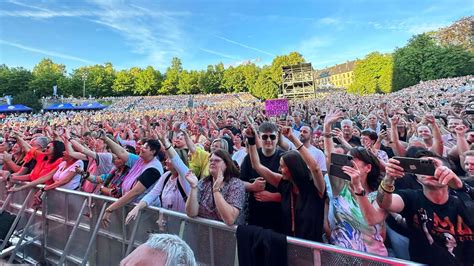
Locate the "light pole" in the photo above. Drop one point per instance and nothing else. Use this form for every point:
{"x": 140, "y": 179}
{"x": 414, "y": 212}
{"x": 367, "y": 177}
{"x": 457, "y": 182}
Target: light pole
{"x": 84, "y": 78}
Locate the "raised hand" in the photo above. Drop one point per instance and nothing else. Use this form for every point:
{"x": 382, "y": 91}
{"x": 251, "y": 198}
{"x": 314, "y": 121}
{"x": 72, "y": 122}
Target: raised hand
{"x": 394, "y": 121}
{"x": 333, "y": 115}
{"x": 393, "y": 169}
{"x": 191, "y": 178}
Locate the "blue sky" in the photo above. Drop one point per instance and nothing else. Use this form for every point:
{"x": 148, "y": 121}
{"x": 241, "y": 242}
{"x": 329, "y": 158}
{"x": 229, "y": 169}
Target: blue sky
{"x": 141, "y": 33}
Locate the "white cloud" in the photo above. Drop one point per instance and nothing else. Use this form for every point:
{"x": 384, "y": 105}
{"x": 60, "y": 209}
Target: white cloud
{"x": 244, "y": 45}
{"x": 219, "y": 54}
{"x": 46, "y": 52}
{"x": 151, "y": 32}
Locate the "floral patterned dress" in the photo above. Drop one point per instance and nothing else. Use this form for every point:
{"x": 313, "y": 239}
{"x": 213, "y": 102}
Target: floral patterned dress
{"x": 348, "y": 226}
{"x": 233, "y": 192}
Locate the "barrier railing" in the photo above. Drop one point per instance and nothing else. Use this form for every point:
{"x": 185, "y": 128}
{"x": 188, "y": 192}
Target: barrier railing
{"x": 67, "y": 230}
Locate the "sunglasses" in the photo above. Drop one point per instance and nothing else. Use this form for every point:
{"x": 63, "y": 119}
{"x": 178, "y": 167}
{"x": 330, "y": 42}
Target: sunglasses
{"x": 271, "y": 136}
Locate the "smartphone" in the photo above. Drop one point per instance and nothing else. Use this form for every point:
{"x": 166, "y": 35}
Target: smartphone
{"x": 336, "y": 170}
{"x": 470, "y": 111}
{"x": 183, "y": 126}
{"x": 337, "y": 162}
{"x": 383, "y": 127}
{"x": 417, "y": 165}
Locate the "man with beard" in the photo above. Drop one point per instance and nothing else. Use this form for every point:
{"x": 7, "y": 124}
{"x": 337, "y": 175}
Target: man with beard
{"x": 306, "y": 135}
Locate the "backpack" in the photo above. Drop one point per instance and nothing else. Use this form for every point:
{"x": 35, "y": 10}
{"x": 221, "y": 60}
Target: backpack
{"x": 180, "y": 188}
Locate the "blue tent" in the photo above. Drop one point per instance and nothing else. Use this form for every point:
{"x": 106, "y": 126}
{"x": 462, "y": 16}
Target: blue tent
{"x": 14, "y": 108}
{"x": 60, "y": 107}
{"x": 90, "y": 106}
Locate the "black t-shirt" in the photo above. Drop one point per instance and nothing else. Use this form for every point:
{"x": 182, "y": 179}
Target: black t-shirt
{"x": 263, "y": 214}
{"x": 437, "y": 233}
{"x": 354, "y": 141}
{"x": 149, "y": 177}
{"x": 308, "y": 211}
{"x": 407, "y": 182}
{"x": 30, "y": 165}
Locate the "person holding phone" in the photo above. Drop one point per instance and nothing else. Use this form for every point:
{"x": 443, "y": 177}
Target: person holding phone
{"x": 356, "y": 221}
{"x": 439, "y": 230}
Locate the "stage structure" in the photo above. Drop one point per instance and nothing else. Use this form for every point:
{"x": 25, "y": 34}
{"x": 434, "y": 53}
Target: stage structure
{"x": 298, "y": 82}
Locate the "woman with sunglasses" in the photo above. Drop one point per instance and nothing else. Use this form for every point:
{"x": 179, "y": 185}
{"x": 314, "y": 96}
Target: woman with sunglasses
{"x": 355, "y": 220}
{"x": 219, "y": 196}
{"x": 47, "y": 161}
{"x": 63, "y": 175}
{"x": 301, "y": 185}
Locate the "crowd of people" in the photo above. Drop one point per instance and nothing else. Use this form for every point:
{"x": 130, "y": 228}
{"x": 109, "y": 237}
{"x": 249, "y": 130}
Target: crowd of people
{"x": 331, "y": 169}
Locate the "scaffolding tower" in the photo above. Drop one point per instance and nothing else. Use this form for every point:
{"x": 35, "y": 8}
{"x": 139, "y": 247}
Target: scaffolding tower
{"x": 298, "y": 81}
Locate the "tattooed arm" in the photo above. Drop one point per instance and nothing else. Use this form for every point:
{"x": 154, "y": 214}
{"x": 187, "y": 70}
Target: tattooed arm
{"x": 385, "y": 197}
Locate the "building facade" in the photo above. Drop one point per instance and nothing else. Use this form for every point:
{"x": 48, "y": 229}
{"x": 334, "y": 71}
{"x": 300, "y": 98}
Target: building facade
{"x": 338, "y": 76}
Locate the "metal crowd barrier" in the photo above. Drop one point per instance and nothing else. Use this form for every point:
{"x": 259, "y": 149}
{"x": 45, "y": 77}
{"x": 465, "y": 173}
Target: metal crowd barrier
{"x": 67, "y": 231}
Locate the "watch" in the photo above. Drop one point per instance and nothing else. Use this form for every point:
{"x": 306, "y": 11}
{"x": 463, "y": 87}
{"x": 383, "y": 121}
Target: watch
{"x": 361, "y": 194}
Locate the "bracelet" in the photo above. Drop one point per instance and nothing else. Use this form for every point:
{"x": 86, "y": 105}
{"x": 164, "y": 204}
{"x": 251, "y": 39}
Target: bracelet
{"x": 251, "y": 140}
{"x": 387, "y": 190}
{"x": 108, "y": 210}
{"x": 300, "y": 147}
{"x": 167, "y": 148}
{"x": 327, "y": 135}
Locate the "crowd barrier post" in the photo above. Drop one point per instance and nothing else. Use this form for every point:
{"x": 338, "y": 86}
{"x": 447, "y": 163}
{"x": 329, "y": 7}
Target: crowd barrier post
{"x": 134, "y": 233}
{"x": 94, "y": 234}
{"x": 17, "y": 219}
{"x": 6, "y": 202}
{"x": 23, "y": 235}
{"x": 73, "y": 233}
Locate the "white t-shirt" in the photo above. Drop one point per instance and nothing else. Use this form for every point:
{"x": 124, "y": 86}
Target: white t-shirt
{"x": 63, "y": 171}
{"x": 239, "y": 156}
{"x": 319, "y": 156}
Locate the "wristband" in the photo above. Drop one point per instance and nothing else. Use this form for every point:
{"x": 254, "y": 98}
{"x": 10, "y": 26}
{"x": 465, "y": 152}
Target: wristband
{"x": 327, "y": 135}
{"x": 167, "y": 148}
{"x": 251, "y": 140}
{"x": 387, "y": 190}
{"x": 299, "y": 147}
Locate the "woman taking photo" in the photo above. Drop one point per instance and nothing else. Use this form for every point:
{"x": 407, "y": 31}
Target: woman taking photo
{"x": 219, "y": 196}
{"x": 356, "y": 221}
{"x": 300, "y": 184}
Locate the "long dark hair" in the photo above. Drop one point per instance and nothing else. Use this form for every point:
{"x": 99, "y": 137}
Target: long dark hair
{"x": 231, "y": 170}
{"x": 58, "y": 150}
{"x": 299, "y": 171}
{"x": 373, "y": 177}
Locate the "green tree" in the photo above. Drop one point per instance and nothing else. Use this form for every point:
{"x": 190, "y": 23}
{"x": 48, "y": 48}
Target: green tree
{"x": 124, "y": 83}
{"x": 14, "y": 80}
{"x": 234, "y": 79}
{"x": 172, "y": 75}
{"x": 213, "y": 78}
{"x": 373, "y": 74}
{"x": 265, "y": 87}
{"x": 423, "y": 59}
{"x": 250, "y": 72}
{"x": 148, "y": 81}
{"x": 99, "y": 79}
{"x": 46, "y": 74}
{"x": 28, "y": 98}
{"x": 189, "y": 82}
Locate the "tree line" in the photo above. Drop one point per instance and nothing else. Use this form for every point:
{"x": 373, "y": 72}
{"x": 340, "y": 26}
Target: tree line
{"x": 103, "y": 80}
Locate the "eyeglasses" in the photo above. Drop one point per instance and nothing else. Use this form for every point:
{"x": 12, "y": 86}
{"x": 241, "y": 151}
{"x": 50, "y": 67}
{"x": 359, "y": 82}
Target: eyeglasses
{"x": 271, "y": 136}
{"x": 215, "y": 160}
